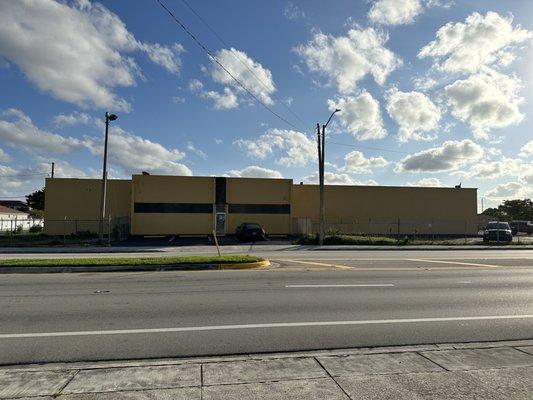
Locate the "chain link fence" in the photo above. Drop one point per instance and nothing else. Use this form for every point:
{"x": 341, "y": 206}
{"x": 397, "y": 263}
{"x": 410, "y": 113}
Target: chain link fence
{"x": 67, "y": 229}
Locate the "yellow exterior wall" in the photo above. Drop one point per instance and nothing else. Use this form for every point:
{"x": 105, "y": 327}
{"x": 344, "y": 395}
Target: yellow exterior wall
{"x": 259, "y": 191}
{"x": 376, "y": 209}
{"x": 171, "y": 189}
{"x": 73, "y": 205}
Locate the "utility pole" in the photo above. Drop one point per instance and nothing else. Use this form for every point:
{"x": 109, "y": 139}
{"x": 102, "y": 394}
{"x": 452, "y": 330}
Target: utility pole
{"x": 108, "y": 117}
{"x": 53, "y": 167}
{"x": 321, "y": 159}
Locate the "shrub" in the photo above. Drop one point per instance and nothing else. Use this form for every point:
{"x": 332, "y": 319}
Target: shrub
{"x": 36, "y": 229}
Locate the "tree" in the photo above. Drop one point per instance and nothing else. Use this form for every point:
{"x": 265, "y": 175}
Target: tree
{"x": 512, "y": 210}
{"x": 35, "y": 200}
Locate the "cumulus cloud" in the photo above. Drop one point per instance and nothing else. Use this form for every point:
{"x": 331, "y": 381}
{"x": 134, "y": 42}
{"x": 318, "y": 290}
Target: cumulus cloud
{"x": 487, "y": 100}
{"x": 256, "y": 78}
{"x": 356, "y": 162}
{"x": 527, "y": 149}
{"x": 298, "y": 150}
{"x": 76, "y": 118}
{"x": 18, "y": 181}
{"x": 481, "y": 40}
{"x": 164, "y": 56}
{"x": 360, "y": 115}
{"x": 253, "y": 171}
{"x": 427, "y": 182}
{"x": 133, "y": 154}
{"x": 77, "y": 51}
{"x": 451, "y": 155}
{"x": 415, "y": 113}
{"x": 195, "y": 85}
{"x": 222, "y": 101}
{"x": 292, "y": 11}
{"x": 332, "y": 178}
{"x": 345, "y": 60}
{"x": 394, "y": 12}
{"x": 509, "y": 190}
{"x": 485, "y": 170}
{"x": 18, "y": 131}
{"x": 4, "y": 157}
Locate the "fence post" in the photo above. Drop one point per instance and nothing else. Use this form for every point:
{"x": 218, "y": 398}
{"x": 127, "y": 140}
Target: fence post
{"x": 64, "y": 231}
{"x": 466, "y": 241}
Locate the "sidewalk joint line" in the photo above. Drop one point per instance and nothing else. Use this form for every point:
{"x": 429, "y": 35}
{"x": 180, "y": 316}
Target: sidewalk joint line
{"x": 430, "y": 360}
{"x": 332, "y": 378}
{"x": 66, "y": 383}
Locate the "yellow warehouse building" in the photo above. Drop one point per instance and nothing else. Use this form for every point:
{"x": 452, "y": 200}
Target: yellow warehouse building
{"x": 177, "y": 205}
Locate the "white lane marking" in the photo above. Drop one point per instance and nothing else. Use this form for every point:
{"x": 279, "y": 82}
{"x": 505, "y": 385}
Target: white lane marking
{"x": 465, "y": 282}
{"x": 454, "y": 262}
{"x": 258, "y": 326}
{"x": 334, "y": 286}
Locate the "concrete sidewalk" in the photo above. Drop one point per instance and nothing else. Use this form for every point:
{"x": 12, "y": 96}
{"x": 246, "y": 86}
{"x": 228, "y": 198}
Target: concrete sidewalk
{"x": 445, "y": 371}
{"x": 230, "y": 249}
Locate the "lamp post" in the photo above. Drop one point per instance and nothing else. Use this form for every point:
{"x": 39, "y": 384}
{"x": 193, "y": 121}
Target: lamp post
{"x": 108, "y": 117}
{"x": 321, "y": 156}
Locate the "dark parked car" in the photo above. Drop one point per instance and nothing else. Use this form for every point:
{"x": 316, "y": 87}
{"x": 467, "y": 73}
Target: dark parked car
{"x": 497, "y": 232}
{"x": 250, "y": 231}
{"x": 521, "y": 227}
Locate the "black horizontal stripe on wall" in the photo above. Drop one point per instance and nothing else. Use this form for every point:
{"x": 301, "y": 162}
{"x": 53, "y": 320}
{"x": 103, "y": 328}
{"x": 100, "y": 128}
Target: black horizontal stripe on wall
{"x": 173, "y": 208}
{"x": 259, "y": 208}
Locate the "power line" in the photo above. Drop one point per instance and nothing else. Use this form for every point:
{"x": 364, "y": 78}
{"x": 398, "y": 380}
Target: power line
{"x": 238, "y": 58}
{"x": 212, "y": 56}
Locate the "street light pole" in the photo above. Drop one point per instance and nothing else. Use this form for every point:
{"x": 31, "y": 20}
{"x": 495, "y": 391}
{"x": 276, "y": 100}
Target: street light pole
{"x": 321, "y": 159}
{"x": 108, "y": 117}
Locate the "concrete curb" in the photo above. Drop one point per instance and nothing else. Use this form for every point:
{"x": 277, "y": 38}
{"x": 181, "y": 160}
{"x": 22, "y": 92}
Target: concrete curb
{"x": 132, "y": 268}
{"x": 104, "y": 364}
{"x": 418, "y": 248}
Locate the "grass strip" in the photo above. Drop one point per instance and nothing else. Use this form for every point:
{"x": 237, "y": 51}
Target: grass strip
{"x": 111, "y": 261}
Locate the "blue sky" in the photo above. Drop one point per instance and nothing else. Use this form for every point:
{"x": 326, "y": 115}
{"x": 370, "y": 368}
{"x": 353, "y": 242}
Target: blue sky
{"x": 433, "y": 92}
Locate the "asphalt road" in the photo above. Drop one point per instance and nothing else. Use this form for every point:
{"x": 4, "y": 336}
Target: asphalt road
{"x": 306, "y": 300}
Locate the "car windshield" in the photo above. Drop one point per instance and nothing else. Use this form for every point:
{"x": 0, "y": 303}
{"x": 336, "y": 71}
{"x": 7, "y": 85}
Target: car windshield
{"x": 497, "y": 225}
{"x": 253, "y": 226}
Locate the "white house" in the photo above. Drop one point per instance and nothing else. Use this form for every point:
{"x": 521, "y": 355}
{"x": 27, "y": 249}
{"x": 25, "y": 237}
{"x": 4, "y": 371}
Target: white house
{"x": 11, "y": 219}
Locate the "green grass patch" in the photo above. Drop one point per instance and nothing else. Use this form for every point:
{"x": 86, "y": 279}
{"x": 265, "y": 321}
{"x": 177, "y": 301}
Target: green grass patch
{"x": 111, "y": 261}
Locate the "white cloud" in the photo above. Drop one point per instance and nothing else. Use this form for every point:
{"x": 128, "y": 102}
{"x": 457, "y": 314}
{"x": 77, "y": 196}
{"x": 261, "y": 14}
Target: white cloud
{"x": 166, "y": 57}
{"x": 487, "y": 100}
{"x": 256, "y": 78}
{"x": 481, "y": 40}
{"x": 222, "y": 101}
{"x": 298, "y": 149}
{"x": 356, "y": 162}
{"x": 195, "y": 85}
{"x": 19, "y": 131}
{"x": 485, "y": 170}
{"x": 415, "y": 113}
{"x": 509, "y": 190}
{"x": 347, "y": 59}
{"x": 76, "y": 118}
{"x": 527, "y": 149}
{"x": 394, "y": 12}
{"x": 427, "y": 182}
{"x": 451, "y": 155}
{"x": 78, "y": 51}
{"x": 292, "y": 11}
{"x": 4, "y": 157}
{"x": 134, "y": 154}
{"x": 20, "y": 181}
{"x": 361, "y": 115}
{"x": 253, "y": 171}
{"x": 332, "y": 178}
{"x": 192, "y": 148}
